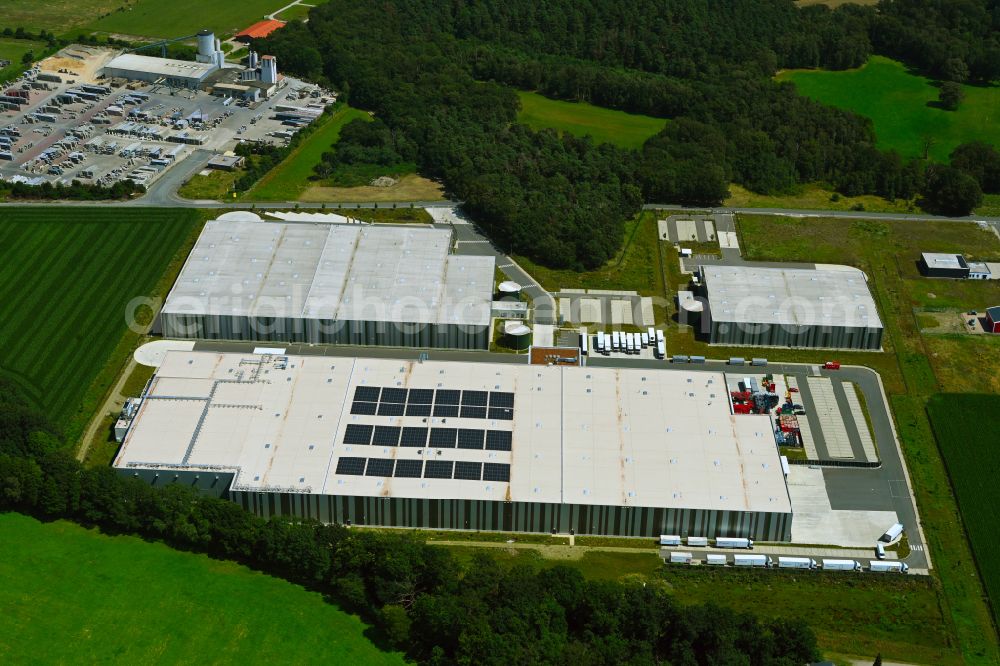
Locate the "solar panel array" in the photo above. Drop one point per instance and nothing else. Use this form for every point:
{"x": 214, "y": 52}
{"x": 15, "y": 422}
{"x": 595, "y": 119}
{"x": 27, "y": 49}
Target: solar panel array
{"x": 392, "y": 401}
{"x": 419, "y": 437}
{"x": 432, "y": 469}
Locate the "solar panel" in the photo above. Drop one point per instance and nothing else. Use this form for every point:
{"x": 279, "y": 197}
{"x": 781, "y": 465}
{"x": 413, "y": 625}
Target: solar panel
{"x": 366, "y": 393}
{"x": 409, "y": 469}
{"x": 445, "y": 410}
{"x": 470, "y": 439}
{"x": 468, "y": 471}
{"x": 356, "y": 433}
{"x": 498, "y": 440}
{"x": 447, "y": 397}
{"x": 496, "y": 472}
{"x": 438, "y": 469}
{"x": 417, "y": 409}
{"x": 353, "y": 466}
{"x": 416, "y": 437}
{"x": 363, "y": 408}
{"x": 502, "y": 413}
{"x": 473, "y": 412}
{"x": 386, "y": 436}
{"x": 501, "y": 399}
{"x": 390, "y": 409}
{"x": 379, "y": 467}
{"x": 393, "y": 395}
{"x": 421, "y": 396}
{"x": 443, "y": 438}
{"x": 474, "y": 398}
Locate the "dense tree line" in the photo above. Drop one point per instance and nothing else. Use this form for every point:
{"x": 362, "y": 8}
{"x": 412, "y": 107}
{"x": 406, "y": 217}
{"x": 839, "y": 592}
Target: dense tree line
{"x": 429, "y": 71}
{"x": 423, "y": 601}
{"x": 122, "y": 189}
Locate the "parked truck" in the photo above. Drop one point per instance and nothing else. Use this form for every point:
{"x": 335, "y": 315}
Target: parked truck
{"x": 733, "y": 542}
{"x": 717, "y": 559}
{"x": 752, "y": 560}
{"x": 796, "y": 563}
{"x": 888, "y": 566}
{"x": 670, "y": 540}
{"x": 892, "y": 533}
{"x": 677, "y": 557}
{"x": 841, "y": 565}
{"x": 697, "y": 542}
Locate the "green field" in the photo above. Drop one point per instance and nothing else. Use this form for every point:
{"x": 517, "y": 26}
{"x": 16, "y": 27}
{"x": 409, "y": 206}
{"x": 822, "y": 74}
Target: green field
{"x": 897, "y": 102}
{"x": 66, "y": 275}
{"x": 14, "y": 50}
{"x": 295, "y": 13}
{"x": 57, "y": 16}
{"x": 972, "y": 460}
{"x": 154, "y": 18}
{"x": 290, "y": 179}
{"x": 603, "y": 125}
{"x": 72, "y": 595}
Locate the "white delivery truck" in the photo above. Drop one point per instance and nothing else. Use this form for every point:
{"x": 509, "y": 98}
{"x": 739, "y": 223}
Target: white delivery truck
{"x": 698, "y": 542}
{"x": 885, "y": 567}
{"x": 716, "y": 559}
{"x": 600, "y": 341}
{"x": 678, "y": 557}
{"x": 651, "y": 332}
{"x": 752, "y": 560}
{"x": 733, "y": 542}
{"x": 841, "y": 565}
{"x": 879, "y": 550}
{"x": 583, "y": 343}
{"x": 629, "y": 344}
{"x": 661, "y": 349}
{"x": 796, "y": 563}
{"x": 615, "y": 341}
{"x": 670, "y": 540}
{"x": 645, "y": 339}
{"x": 892, "y": 533}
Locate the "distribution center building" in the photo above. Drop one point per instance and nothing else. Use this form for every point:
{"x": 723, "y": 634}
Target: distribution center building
{"x": 462, "y": 445}
{"x": 178, "y": 73}
{"x": 825, "y": 307}
{"x": 331, "y": 283}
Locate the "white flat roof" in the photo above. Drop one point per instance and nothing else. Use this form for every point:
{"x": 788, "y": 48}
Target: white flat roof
{"x": 790, "y": 296}
{"x": 599, "y": 436}
{"x": 346, "y": 272}
{"x": 162, "y": 66}
{"x": 943, "y": 260}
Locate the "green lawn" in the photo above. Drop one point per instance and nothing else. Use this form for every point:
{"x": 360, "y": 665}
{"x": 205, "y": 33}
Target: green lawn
{"x": 290, "y": 178}
{"x": 897, "y": 102}
{"x": 71, "y": 595}
{"x": 154, "y": 18}
{"x": 603, "y": 125}
{"x": 972, "y": 461}
{"x": 294, "y": 13}
{"x": 66, "y": 276}
{"x": 14, "y": 50}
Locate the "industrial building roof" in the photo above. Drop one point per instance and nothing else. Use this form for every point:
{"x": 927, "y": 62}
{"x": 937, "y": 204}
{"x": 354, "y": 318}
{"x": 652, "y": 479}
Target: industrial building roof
{"x": 260, "y": 29}
{"x": 599, "y": 436}
{"x": 944, "y": 260}
{"x": 835, "y": 296}
{"x": 162, "y": 66}
{"x": 345, "y": 272}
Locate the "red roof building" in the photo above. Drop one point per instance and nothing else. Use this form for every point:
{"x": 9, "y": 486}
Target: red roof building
{"x": 258, "y": 30}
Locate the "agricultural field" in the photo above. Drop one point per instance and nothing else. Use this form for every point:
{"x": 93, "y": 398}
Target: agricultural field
{"x": 57, "y": 16}
{"x": 130, "y": 601}
{"x": 298, "y": 12}
{"x": 814, "y": 197}
{"x": 291, "y": 178}
{"x": 972, "y": 470}
{"x": 154, "y": 18}
{"x": 903, "y": 108}
{"x": 66, "y": 276}
{"x": 626, "y": 130}
{"x": 14, "y": 50}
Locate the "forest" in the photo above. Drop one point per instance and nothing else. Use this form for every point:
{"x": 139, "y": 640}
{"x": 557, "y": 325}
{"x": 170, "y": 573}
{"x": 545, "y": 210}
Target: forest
{"x": 421, "y": 599}
{"x": 439, "y": 76}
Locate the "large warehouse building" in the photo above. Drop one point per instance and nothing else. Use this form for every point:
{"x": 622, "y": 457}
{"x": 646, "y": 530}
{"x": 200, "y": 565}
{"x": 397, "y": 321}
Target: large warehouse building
{"x": 331, "y": 283}
{"x": 177, "y": 73}
{"x": 784, "y": 307}
{"x": 462, "y": 445}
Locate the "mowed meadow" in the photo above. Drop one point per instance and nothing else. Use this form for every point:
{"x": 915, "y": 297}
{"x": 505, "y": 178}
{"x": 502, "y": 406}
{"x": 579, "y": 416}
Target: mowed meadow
{"x": 626, "y": 130}
{"x": 66, "y": 277}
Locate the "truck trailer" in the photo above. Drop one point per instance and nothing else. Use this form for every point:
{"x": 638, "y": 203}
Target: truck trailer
{"x": 888, "y": 567}
{"x": 841, "y": 565}
{"x": 796, "y": 563}
{"x": 892, "y": 533}
{"x": 678, "y": 557}
{"x": 733, "y": 542}
{"x": 716, "y": 559}
{"x": 752, "y": 560}
{"x": 670, "y": 540}
{"x": 699, "y": 542}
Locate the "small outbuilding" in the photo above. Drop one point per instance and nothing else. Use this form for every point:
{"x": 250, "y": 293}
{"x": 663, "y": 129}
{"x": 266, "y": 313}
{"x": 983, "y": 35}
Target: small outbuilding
{"x": 992, "y": 319}
{"x": 937, "y": 264}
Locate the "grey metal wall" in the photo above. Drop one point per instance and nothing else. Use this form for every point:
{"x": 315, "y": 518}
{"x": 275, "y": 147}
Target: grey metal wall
{"x": 324, "y": 331}
{"x": 766, "y": 335}
{"x": 484, "y": 515}
{"x": 214, "y": 483}
{"x": 136, "y": 75}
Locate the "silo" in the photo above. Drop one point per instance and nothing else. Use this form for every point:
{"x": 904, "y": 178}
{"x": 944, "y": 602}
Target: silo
{"x": 206, "y": 45}
{"x": 691, "y": 311}
{"x": 517, "y": 335}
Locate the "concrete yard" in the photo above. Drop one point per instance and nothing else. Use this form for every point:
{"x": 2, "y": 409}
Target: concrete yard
{"x": 817, "y": 522}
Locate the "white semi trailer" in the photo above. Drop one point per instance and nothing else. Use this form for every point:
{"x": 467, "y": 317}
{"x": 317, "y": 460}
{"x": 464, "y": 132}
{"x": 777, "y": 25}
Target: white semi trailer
{"x": 892, "y": 533}
{"x": 678, "y": 557}
{"x": 752, "y": 560}
{"x": 888, "y": 567}
{"x": 700, "y": 542}
{"x": 716, "y": 559}
{"x": 733, "y": 542}
{"x": 796, "y": 563}
{"x": 841, "y": 565}
{"x": 670, "y": 540}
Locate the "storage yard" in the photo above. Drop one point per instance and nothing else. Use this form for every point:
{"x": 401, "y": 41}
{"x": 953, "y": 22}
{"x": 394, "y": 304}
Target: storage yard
{"x": 103, "y": 118}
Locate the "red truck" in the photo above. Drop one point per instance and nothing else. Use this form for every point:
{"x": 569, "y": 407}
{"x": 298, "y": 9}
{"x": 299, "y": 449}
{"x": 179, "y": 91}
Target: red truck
{"x": 831, "y": 365}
